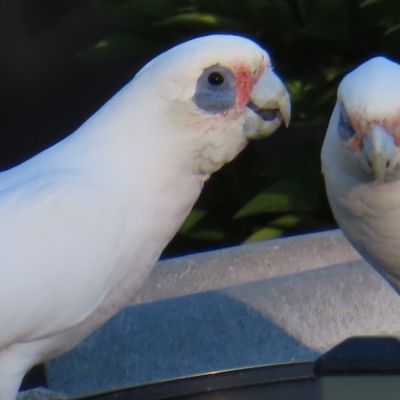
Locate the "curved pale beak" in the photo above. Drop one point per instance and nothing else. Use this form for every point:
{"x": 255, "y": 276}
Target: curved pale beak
{"x": 381, "y": 151}
{"x": 270, "y": 101}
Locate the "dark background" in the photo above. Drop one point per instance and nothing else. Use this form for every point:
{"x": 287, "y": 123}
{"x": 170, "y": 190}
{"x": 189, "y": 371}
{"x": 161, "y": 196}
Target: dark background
{"x": 46, "y": 89}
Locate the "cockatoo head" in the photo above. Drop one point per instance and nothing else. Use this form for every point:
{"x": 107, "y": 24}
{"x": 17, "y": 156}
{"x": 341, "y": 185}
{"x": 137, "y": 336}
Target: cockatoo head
{"x": 219, "y": 91}
{"x": 367, "y": 119}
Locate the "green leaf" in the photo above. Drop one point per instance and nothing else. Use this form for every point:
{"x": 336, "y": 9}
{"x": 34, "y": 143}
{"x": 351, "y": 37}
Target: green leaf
{"x": 192, "y": 219}
{"x": 152, "y": 8}
{"x": 304, "y": 163}
{"x": 298, "y": 89}
{"x": 392, "y": 30}
{"x": 203, "y": 21}
{"x": 120, "y": 47}
{"x": 205, "y": 6}
{"x": 328, "y": 96}
{"x": 208, "y": 234}
{"x": 275, "y": 15}
{"x": 301, "y": 5}
{"x": 114, "y": 10}
{"x": 334, "y": 71}
{"x": 293, "y": 222}
{"x": 227, "y": 8}
{"x": 283, "y": 196}
{"x": 288, "y": 221}
{"x": 367, "y": 3}
{"x": 329, "y": 20}
{"x": 260, "y": 3}
{"x": 264, "y": 234}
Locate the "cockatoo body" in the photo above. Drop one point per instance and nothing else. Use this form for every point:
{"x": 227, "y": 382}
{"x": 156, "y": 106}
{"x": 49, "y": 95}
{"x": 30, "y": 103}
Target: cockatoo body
{"x": 361, "y": 163}
{"x": 83, "y": 222}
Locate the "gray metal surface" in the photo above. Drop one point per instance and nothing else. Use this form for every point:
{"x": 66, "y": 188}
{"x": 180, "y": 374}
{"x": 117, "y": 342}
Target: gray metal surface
{"x": 271, "y": 302}
{"x": 247, "y": 263}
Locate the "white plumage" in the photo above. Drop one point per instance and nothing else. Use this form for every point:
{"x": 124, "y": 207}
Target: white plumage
{"x": 361, "y": 163}
{"x": 83, "y": 222}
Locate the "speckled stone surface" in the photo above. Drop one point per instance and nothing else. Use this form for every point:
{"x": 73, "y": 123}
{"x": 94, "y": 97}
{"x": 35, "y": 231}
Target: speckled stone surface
{"x": 248, "y": 263}
{"x": 266, "y": 303}
{"x": 40, "y": 394}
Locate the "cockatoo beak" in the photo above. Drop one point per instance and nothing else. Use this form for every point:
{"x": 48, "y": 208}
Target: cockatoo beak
{"x": 270, "y": 100}
{"x": 381, "y": 151}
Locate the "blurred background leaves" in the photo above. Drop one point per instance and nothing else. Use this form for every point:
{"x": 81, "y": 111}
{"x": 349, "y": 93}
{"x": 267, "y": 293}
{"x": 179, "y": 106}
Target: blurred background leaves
{"x": 275, "y": 187}
{"x": 313, "y": 44}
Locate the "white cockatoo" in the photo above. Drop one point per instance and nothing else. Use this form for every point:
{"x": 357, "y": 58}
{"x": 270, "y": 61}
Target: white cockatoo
{"x": 83, "y": 223}
{"x": 361, "y": 163}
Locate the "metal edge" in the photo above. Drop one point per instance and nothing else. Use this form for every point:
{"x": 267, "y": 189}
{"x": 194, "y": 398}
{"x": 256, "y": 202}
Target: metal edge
{"x": 211, "y": 381}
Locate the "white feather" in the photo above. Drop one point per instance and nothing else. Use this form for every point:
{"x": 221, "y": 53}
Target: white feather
{"x": 367, "y": 209}
{"x": 83, "y": 223}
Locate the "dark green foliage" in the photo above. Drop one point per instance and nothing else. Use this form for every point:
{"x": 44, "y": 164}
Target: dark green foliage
{"x": 313, "y": 44}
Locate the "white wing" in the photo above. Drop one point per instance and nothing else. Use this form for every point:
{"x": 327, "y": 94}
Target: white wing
{"x": 55, "y": 246}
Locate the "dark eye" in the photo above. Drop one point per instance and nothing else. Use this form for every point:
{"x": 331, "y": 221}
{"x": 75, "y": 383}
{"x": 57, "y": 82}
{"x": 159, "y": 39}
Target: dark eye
{"x": 346, "y": 131}
{"x": 215, "y": 79}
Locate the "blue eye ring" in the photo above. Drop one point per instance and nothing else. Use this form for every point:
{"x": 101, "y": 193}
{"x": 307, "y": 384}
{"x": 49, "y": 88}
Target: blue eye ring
{"x": 215, "y": 91}
{"x": 345, "y": 130}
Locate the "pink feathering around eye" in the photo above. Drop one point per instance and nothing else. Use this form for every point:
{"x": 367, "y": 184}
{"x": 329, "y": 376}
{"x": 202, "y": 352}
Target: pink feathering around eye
{"x": 359, "y": 124}
{"x": 396, "y": 129}
{"x": 355, "y": 143}
{"x": 246, "y": 78}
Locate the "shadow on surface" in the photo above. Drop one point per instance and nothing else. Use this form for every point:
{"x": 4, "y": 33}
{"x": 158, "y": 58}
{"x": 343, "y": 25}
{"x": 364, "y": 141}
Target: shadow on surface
{"x": 173, "y": 338}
